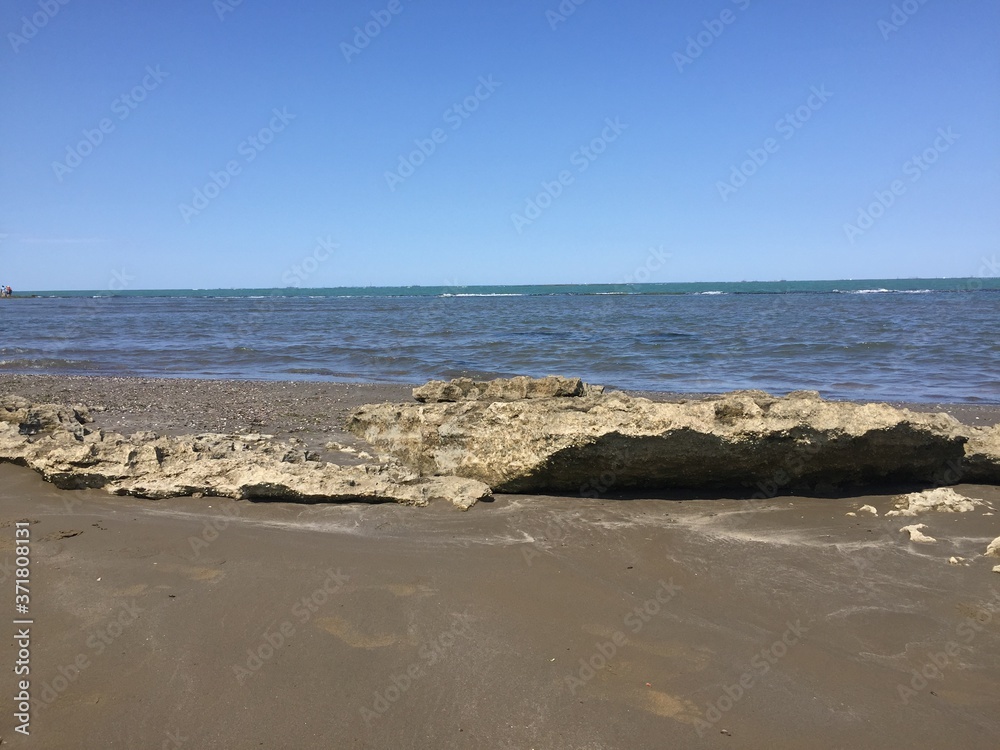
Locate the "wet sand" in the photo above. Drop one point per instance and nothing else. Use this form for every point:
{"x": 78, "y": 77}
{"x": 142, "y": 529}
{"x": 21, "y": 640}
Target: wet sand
{"x": 528, "y": 622}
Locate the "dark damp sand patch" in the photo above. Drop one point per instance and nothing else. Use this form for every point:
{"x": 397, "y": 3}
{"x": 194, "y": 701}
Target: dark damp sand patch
{"x": 543, "y": 581}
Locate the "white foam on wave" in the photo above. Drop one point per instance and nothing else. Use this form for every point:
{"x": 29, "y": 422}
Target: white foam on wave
{"x": 492, "y": 294}
{"x": 883, "y": 291}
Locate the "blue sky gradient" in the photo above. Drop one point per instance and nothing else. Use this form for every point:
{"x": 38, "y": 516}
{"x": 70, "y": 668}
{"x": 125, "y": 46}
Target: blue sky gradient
{"x": 704, "y": 164}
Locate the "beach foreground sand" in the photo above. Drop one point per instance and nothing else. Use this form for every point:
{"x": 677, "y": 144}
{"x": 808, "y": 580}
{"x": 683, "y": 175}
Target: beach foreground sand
{"x": 525, "y": 622}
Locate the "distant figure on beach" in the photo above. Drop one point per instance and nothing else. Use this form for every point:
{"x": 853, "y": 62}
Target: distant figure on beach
{"x": 6, "y": 291}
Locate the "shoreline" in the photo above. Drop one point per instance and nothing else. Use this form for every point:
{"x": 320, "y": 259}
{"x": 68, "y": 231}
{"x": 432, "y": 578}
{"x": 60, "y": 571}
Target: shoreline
{"x": 312, "y": 411}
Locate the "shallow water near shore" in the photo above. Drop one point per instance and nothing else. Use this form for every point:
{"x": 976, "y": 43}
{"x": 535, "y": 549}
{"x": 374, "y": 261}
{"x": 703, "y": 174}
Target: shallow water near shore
{"x": 921, "y": 340}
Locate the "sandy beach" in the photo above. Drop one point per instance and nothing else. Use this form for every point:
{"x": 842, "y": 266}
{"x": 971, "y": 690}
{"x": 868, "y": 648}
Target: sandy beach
{"x": 526, "y": 622}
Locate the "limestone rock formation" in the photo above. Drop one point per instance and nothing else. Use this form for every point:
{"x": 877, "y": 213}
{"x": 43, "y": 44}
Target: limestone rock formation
{"x": 55, "y": 441}
{"x": 993, "y": 550}
{"x": 503, "y": 389}
{"x": 917, "y": 535}
{"x": 745, "y": 439}
{"x": 939, "y": 499}
{"x": 982, "y": 455}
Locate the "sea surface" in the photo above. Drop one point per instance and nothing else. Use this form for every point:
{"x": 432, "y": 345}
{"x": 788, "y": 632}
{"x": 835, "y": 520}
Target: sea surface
{"x": 898, "y": 340}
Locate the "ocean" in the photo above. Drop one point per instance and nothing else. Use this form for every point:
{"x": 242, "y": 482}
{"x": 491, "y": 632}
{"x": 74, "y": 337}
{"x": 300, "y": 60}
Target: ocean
{"x": 932, "y": 340}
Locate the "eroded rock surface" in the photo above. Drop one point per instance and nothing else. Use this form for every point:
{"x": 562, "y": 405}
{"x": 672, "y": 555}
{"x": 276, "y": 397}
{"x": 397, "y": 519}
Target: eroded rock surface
{"x": 993, "y": 550}
{"x": 939, "y": 500}
{"x": 982, "y": 455}
{"x": 744, "y": 439}
{"x": 917, "y": 535}
{"x": 55, "y": 441}
{"x": 503, "y": 389}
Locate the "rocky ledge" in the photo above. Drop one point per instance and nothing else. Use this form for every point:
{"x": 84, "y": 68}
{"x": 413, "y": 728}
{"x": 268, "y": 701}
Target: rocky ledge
{"x": 56, "y": 442}
{"x": 462, "y": 440}
{"x": 563, "y": 436}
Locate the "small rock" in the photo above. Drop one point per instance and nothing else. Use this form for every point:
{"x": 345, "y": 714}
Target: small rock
{"x": 916, "y": 535}
{"x": 941, "y": 500}
{"x": 503, "y": 389}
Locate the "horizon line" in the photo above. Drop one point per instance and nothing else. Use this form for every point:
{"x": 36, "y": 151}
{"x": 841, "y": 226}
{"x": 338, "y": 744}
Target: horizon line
{"x": 529, "y": 284}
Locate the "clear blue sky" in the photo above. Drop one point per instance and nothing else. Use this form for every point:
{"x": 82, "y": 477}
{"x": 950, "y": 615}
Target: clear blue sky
{"x": 660, "y": 183}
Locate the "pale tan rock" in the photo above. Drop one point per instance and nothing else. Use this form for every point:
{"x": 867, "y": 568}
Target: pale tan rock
{"x": 744, "y": 439}
{"x": 53, "y": 441}
{"x": 918, "y": 536}
{"x": 503, "y": 389}
{"x": 982, "y": 456}
{"x": 993, "y": 550}
{"x": 940, "y": 500}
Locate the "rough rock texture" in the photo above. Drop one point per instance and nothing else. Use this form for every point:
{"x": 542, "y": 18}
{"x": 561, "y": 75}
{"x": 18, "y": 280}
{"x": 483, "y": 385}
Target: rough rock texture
{"x": 993, "y": 550}
{"x": 595, "y": 442}
{"x": 503, "y": 389}
{"x": 982, "y": 455}
{"x": 55, "y": 441}
{"x": 916, "y": 535}
{"x": 940, "y": 499}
